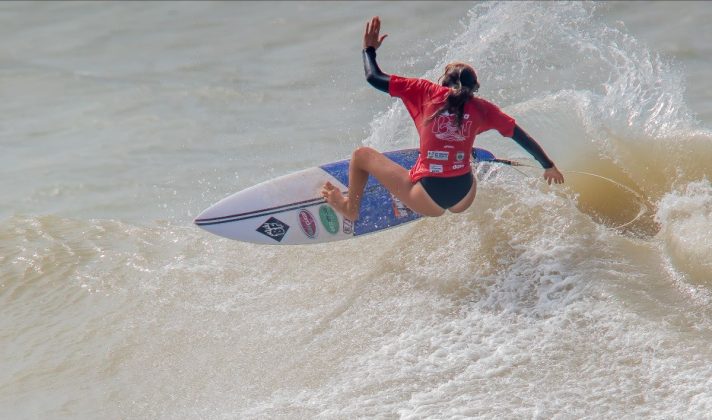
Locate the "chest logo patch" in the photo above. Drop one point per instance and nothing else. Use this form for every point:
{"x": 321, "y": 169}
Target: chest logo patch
{"x": 445, "y": 127}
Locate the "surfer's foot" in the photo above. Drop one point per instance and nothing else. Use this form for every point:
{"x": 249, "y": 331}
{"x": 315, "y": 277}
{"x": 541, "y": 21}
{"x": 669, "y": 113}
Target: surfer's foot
{"x": 340, "y": 203}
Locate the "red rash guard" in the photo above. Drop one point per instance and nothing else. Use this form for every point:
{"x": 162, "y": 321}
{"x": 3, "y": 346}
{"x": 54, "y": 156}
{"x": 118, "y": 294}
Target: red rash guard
{"x": 445, "y": 149}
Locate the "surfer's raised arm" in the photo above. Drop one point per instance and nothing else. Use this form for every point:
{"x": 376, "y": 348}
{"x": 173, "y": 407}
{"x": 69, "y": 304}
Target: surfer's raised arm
{"x": 381, "y": 81}
{"x": 371, "y": 42}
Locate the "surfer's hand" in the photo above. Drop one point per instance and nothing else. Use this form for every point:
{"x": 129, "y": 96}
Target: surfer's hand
{"x": 553, "y": 174}
{"x": 370, "y": 37}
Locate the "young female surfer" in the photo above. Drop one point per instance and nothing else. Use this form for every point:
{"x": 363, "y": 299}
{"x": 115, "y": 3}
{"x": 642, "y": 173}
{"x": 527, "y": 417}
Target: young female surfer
{"x": 448, "y": 117}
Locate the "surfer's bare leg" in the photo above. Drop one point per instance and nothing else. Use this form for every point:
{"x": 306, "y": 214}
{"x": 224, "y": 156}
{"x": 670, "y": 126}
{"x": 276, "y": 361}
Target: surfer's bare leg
{"x": 358, "y": 177}
{"x": 391, "y": 175}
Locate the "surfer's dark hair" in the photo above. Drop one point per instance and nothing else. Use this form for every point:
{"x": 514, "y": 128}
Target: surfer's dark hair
{"x": 462, "y": 81}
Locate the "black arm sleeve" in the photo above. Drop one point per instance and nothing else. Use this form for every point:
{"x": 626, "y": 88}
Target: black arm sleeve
{"x": 374, "y": 75}
{"x": 531, "y": 146}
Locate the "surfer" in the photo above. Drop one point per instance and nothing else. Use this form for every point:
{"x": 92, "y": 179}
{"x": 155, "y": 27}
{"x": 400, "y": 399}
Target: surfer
{"x": 448, "y": 117}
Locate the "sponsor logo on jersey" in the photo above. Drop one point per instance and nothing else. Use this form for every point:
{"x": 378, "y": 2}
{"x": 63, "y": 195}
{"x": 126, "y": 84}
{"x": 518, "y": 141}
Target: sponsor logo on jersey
{"x": 436, "y": 169}
{"x": 460, "y": 156}
{"x": 445, "y": 128}
{"x": 348, "y": 226}
{"x": 329, "y": 219}
{"x": 274, "y": 228}
{"x": 438, "y": 155}
{"x": 458, "y": 166}
{"x": 308, "y": 224}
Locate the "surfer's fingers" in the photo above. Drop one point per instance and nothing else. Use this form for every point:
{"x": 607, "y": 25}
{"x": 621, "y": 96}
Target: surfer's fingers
{"x": 376, "y": 26}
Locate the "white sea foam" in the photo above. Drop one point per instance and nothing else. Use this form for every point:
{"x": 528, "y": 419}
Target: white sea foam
{"x": 685, "y": 216}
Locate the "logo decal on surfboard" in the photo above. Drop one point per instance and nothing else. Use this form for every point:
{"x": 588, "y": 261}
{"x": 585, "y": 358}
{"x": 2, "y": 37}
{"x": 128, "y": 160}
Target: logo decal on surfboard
{"x": 274, "y": 228}
{"x": 329, "y": 219}
{"x": 308, "y": 224}
{"x": 348, "y": 226}
{"x": 400, "y": 210}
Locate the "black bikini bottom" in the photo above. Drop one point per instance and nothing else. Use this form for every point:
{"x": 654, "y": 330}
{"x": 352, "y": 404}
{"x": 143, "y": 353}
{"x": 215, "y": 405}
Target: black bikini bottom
{"x": 446, "y": 192}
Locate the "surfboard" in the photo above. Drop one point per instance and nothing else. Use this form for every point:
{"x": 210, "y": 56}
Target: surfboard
{"x": 289, "y": 210}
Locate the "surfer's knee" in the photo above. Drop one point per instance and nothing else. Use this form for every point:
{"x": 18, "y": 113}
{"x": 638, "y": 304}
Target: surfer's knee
{"x": 362, "y": 153}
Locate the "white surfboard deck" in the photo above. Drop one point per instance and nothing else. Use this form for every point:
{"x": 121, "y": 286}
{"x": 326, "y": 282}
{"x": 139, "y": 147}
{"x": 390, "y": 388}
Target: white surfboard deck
{"x": 289, "y": 210}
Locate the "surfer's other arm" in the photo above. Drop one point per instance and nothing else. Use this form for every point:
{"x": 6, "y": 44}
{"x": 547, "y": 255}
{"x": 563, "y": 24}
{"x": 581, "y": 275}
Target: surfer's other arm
{"x": 534, "y": 149}
{"x": 371, "y": 42}
{"x": 531, "y": 146}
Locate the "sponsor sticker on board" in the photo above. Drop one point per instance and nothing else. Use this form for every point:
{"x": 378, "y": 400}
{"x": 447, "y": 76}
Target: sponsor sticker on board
{"x": 329, "y": 219}
{"x": 348, "y": 227}
{"x": 273, "y": 228}
{"x": 308, "y": 224}
{"x": 400, "y": 210}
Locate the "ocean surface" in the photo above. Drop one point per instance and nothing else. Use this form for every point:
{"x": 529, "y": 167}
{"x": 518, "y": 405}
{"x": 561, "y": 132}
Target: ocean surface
{"x": 121, "y": 121}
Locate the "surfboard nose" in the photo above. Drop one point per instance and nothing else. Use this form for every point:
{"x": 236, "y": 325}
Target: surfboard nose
{"x": 204, "y": 216}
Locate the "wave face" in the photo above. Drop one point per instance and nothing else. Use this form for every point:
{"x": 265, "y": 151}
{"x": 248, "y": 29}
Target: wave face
{"x": 531, "y": 304}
